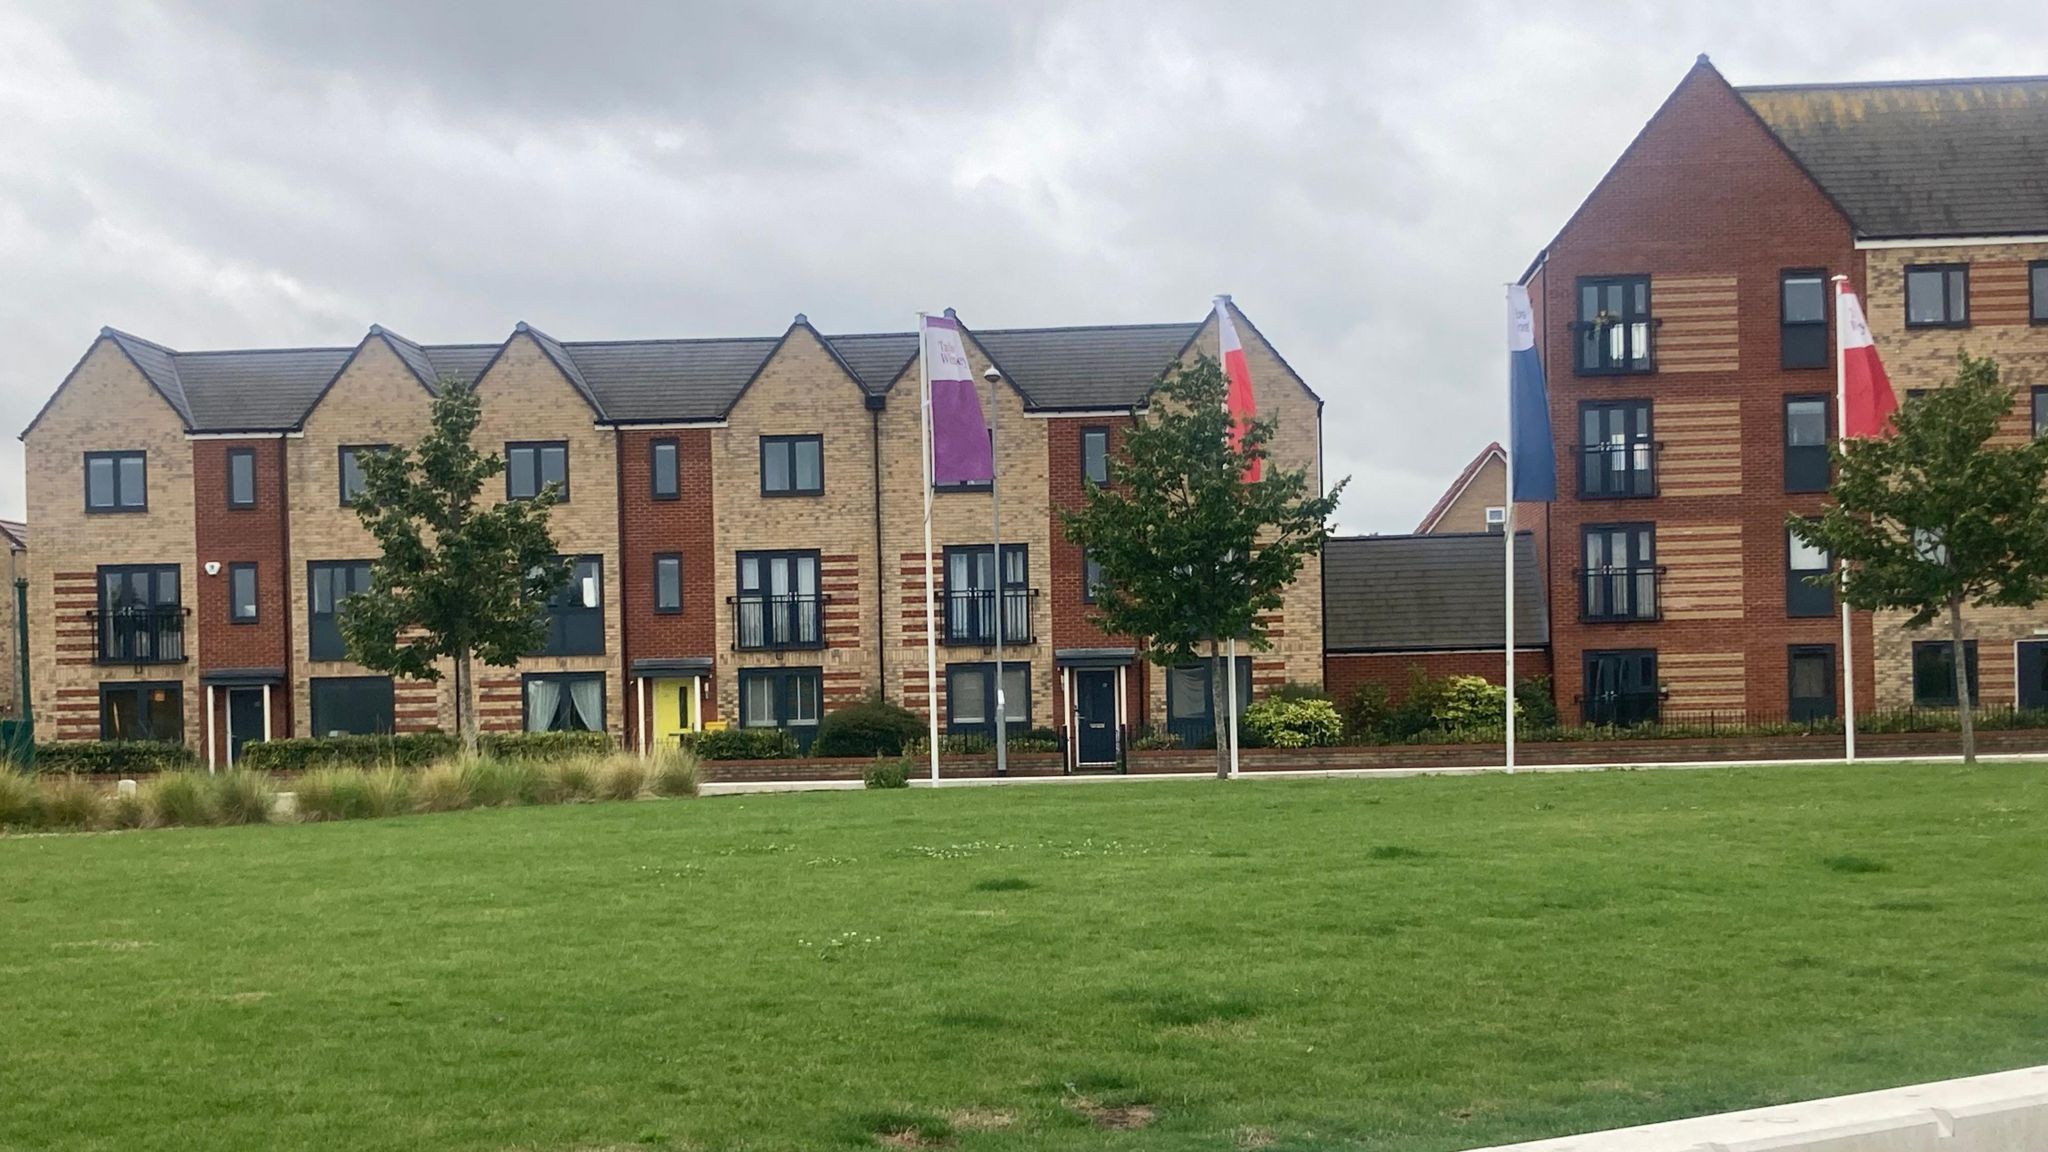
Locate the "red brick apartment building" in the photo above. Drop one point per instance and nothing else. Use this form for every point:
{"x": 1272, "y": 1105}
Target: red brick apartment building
{"x": 1686, "y": 325}
{"x": 744, "y": 517}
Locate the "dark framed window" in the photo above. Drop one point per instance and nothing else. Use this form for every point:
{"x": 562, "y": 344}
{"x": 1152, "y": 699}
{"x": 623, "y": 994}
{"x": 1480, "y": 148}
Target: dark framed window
{"x": 1937, "y": 296}
{"x": 117, "y": 482}
{"x": 1191, "y": 706}
{"x": 143, "y": 710}
{"x": 576, "y": 613}
{"x": 2037, "y": 292}
{"x": 971, "y": 596}
{"x": 352, "y": 456}
{"x": 2039, "y": 396}
{"x": 971, "y": 697}
{"x": 530, "y": 466}
{"x": 1803, "y": 560}
{"x": 1095, "y": 455}
{"x": 1616, "y": 450}
{"x": 778, "y": 604}
{"x": 668, "y": 582}
{"x": 330, "y": 583}
{"x": 241, "y": 477}
{"x": 1621, "y": 688}
{"x": 1803, "y": 319}
{"x": 1619, "y": 580}
{"x": 352, "y": 705}
{"x": 788, "y": 698}
{"x": 1091, "y": 577}
{"x": 664, "y": 469}
{"x": 1810, "y": 680}
{"x": 1614, "y": 325}
{"x": 242, "y": 593}
{"x": 792, "y": 465}
{"x": 1807, "y": 429}
{"x": 563, "y": 701}
{"x": 141, "y": 618}
{"x": 1934, "y": 673}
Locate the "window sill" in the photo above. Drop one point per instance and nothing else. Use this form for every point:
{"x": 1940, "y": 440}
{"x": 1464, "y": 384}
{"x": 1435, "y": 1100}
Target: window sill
{"x": 92, "y": 511}
{"x": 1603, "y": 497}
{"x": 1913, "y": 326}
{"x": 794, "y": 492}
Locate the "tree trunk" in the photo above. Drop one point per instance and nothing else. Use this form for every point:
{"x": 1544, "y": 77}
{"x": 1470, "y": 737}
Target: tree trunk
{"x": 1964, "y": 704}
{"x": 465, "y": 704}
{"x": 1219, "y": 706}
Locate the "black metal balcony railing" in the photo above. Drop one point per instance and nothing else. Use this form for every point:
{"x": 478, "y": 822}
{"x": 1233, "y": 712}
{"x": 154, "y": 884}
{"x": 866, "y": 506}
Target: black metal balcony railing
{"x": 1619, "y": 593}
{"x": 1613, "y": 469}
{"x": 152, "y": 635}
{"x": 970, "y": 615}
{"x": 767, "y": 623}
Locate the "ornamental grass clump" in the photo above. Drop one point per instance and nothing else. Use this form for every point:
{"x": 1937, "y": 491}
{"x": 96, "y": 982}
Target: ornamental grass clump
{"x": 21, "y": 803}
{"x": 178, "y": 799}
{"x": 387, "y": 791}
{"x": 568, "y": 781}
{"x": 333, "y": 794}
{"x": 677, "y": 772}
{"x": 623, "y": 777}
{"x": 441, "y": 788}
{"x": 127, "y": 810}
{"x": 241, "y": 797}
{"x": 72, "y": 802}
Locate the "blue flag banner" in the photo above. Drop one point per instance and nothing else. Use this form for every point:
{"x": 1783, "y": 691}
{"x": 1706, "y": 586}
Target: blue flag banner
{"x": 1530, "y": 444}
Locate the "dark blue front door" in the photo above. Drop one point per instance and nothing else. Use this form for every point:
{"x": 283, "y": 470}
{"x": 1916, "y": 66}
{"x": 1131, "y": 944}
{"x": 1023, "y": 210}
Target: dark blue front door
{"x": 1095, "y": 701}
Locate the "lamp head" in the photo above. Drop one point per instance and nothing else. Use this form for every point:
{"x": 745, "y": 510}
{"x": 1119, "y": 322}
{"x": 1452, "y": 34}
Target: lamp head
{"x": 991, "y": 374}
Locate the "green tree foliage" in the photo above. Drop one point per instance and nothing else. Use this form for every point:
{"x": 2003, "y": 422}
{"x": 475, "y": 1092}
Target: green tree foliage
{"x": 456, "y": 580}
{"x": 1190, "y": 553}
{"x": 1935, "y": 516}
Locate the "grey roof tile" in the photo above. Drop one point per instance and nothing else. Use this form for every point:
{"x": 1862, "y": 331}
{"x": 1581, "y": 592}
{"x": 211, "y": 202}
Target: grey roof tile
{"x": 878, "y": 358}
{"x": 268, "y": 388}
{"x": 158, "y": 363}
{"x": 565, "y": 362}
{"x": 1082, "y": 368}
{"x": 1411, "y": 593}
{"x": 656, "y": 380}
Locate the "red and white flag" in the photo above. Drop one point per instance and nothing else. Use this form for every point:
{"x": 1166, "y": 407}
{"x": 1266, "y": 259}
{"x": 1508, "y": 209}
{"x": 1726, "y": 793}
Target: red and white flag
{"x": 1867, "y": 398}
{"x": 1239, "y": 402}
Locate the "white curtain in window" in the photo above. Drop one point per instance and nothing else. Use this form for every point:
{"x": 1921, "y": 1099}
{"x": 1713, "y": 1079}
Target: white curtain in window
{"x": 543, "y": 700}
{"x": 586, "y": 695}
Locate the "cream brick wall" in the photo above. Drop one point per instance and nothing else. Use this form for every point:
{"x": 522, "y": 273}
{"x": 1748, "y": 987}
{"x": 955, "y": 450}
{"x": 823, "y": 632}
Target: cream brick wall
{"x": 105, "y": 405}
{"x": 1925, "y": 358}
{"x": 801, "y": 390}
{"x": 13, "y": 565}
{"x": 1467, "y": 512}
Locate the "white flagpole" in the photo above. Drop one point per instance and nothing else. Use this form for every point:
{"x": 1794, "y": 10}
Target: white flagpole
{"x": 931, "y": 621}
{"x": 1508, "y": 531}
{"x": 1231, "y": 671}
{"x": 1842, "y": 439}
{"x": 995, "y": 383}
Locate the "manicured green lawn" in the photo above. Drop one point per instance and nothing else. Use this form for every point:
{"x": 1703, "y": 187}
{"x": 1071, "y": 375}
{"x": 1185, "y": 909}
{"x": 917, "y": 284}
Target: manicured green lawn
{"x": 1411, "y": 964}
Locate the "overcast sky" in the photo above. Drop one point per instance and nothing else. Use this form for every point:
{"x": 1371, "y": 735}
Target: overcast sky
{"x": 1362, "y": 177}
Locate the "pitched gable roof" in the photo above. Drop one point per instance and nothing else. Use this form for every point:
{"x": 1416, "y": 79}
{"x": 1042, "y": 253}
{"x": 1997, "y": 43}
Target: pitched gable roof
{"x": 563, "y": 361}
{"x": 651, "y": 381}
{"x": 15, "y": 534}
{"x": 156, "y": 363}
{"x": 1428, "y": 593}
{"x": 1458, "y": 486}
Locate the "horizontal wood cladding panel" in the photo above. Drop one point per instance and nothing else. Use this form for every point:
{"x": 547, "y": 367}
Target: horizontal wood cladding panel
{"x": 1703, "y": 679}
{"x": 1700, "y": 451}
{"x": 1702, "y": 572}
{"x": 1999, "y": 293}
{"x": 1696, "y": 323}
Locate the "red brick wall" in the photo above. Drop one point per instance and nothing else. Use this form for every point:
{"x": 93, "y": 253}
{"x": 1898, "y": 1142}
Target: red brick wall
{"x": 229, "y": 536}
{"x": 648, "y": 526}
{"x": 1071, "y": 625}
{"x": 1705, "y": 190}
{"x": 1343, "y": 673}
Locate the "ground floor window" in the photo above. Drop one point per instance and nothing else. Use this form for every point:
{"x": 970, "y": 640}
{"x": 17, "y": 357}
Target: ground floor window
{"x": 146, "y": 710}
{"x": 1934, "y": 672}
{"x": 790, "y": 698}
{"x": 1621, "y": 688}
{"x": 352, "y": 705}
{"x": 1191, "y": 706}
{"x": 565, "y": 702}
{"x": 1812, "y": 678}
{"x": 971, "y": 697}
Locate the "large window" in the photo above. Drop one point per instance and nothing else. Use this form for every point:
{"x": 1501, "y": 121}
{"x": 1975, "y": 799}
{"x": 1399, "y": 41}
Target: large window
{"x": 242, "y": 593}
{"x": 792, "y": 465}
{"x": 778, "y": 605}
{"x": 141, "y": 617}
{"x": 149, "y": 710}
{"x": 2037, "y": 291}
{"x": 971, "y": 697}
{"x": 1807, "y": 468}
{"x": 332, "y": 582}
{"x": 1095, "y": 455}
{"x": 791, "y": 698}
{"x": 1938, "y": 296}
{"x": 530, "y": 467}
{"x": 1191, "y": 707}
{"x": 664, "y": 470}
{"x": 116, "y": 482}
{"x": 668, "y": 582}
{"x": 1934, "y": 672}
{"x": 1616, "y": 452}
{"x": 352, "y": 480}
{"x": 564, "y": 701}
{"x": 241, "y": 477}
{"x": 971, "y": 597}
{"x": 352, "y": 705}
{"x": 1614, "y": 324}
{"x": 2039, "y": 396}
{"x": 1803, "y": 319}
{"x": 1620, "y": 688}
{"x": 1620, "y": 576}
{"x": 576, "y": 614}
{"x": 1811, "y": 680}
{"x": 1803, "y": 560}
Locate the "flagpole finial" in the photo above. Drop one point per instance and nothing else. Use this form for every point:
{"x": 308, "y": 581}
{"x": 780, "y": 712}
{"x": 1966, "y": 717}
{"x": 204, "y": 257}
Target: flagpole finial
{"x": 951, "y": 315}
{"x": 803, "y": 319}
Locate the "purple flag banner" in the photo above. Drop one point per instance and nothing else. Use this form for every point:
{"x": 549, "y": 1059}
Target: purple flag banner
{"x": 961, "y": 453}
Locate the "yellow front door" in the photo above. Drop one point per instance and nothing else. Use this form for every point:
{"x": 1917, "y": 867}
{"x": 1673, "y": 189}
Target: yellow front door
{"x": 675, "y": 708}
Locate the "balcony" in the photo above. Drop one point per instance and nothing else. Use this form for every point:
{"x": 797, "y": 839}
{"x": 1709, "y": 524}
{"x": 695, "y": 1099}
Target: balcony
{"x": 970, "y": 616}
{"x": 1619, "y": 594}
{"x": 147, "y": 635}
{"x": 777, "y": 623}
{"x": 1618, "y": 470}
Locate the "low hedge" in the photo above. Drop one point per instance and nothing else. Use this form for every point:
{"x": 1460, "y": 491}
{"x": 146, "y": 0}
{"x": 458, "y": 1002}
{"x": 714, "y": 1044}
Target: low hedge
{"x": 114, "y": 757}
{"x": 742, "y": 744}
{"x": 544, "y": 745}
{"x": 414, "y": 749}
{"x": 867, "y": 728}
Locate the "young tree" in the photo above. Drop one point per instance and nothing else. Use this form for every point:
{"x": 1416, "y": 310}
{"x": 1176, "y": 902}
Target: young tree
{"x": 455, "y": 579}
{"x": 1190, "y": 553}
{"x": 1935, "y": 516}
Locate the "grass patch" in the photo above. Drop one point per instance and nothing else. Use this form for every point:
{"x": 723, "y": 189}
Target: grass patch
{"x": 1854, "y": 865}
{"x": 1395, "y": 852}
{"x": 697, "y": 976}
{"x": 1003, "y": 884}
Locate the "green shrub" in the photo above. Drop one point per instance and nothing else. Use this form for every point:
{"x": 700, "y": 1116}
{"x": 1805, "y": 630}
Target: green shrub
{"x": 1159, "y": 739}
{"x": 21, "y": 802}
{"x": 1369, "y": 714}
{"x": 441, "y": 787}
{"x": 954, "y": 744}
{"x": 334, "y": 794}
{"x": 242, "y": 796}
{"x": 72, "y": 802}
{"x": 1303, "y": 722}
{"x": 872, "y": 727}
{"x": 1535, "y": 703}
{"x": 1294, "y": 690}
{"x": 1469, "y": 702}
{"x": 676, "y": 772}
{"x": 1035, "y": 740}
{"x": 113, "y": 757}
{"x": 303, "y": 754}
{"x": 742, "y": 744}
{"x": 543, "y": 745}
{"x": 178, "y": 798}
{"x": 887, "y": 774}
